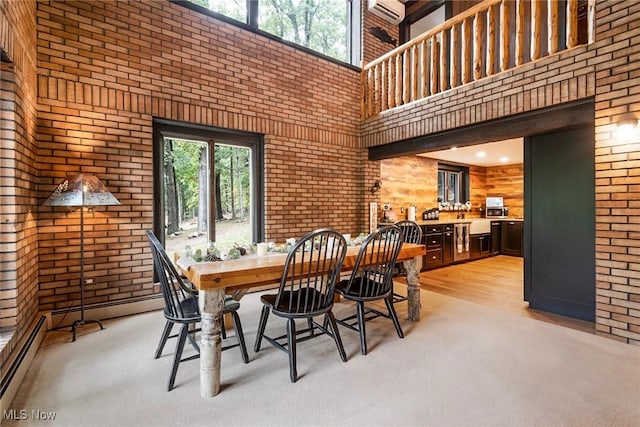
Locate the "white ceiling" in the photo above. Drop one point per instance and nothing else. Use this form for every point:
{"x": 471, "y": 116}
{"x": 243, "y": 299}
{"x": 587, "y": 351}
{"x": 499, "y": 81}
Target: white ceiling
{"x": 506, "y": 152}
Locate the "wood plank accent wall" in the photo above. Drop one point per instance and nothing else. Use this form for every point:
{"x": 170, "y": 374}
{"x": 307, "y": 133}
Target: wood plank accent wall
{"x": 507, "y": 182}
{"x": 414, "y": 180}
{"x": 411, "y": 180}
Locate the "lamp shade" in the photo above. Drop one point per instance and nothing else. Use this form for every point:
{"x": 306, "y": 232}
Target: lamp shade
{"x": 81, "y": 190}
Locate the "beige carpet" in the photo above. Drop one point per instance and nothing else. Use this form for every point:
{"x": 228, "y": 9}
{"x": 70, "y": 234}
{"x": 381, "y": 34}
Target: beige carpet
{"x": 462, "y": 365}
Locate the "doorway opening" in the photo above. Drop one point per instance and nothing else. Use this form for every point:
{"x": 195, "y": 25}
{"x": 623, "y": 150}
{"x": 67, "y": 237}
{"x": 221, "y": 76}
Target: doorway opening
{"x": 506, "y": 181}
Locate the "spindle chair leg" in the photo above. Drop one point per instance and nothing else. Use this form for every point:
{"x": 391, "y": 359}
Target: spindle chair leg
{"x": 291, "y": 342}
{"x": 184, "y": 330}
{"x": 394, "y": 316}
{"x": 361, "y": 328}
{"x": 330, "y": 319}
{"x": 238, "y": 328}
{"x": 163, "y": 339}
{"x": 261, "y": 326}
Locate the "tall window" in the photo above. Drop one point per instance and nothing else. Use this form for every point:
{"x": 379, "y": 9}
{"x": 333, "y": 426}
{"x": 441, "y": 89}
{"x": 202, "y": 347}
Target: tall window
{"x": 331, "y": 27}
{"x": 207, "y": 186}
{"x": 453, "y": 184}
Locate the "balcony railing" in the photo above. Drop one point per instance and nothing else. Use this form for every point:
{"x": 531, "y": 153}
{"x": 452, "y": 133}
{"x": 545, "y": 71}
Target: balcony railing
{"x": 491, "y": 37}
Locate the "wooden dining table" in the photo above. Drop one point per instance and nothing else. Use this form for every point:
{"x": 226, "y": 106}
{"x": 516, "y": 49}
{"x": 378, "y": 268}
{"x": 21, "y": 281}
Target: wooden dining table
{"x": 214, "y": 280}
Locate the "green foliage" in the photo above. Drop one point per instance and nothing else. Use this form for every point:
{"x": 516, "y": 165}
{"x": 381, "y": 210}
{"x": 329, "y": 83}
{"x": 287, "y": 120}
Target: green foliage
{"x": 186, "y": 163}
{"x": 233, "y": 165}
{"x": 236, "y": 9}
{"x": 320, "y": 25}
{"x": 317, "y": 24}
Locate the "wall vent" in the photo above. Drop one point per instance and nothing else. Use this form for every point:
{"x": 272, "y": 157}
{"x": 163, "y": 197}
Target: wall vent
{"x": 389, "y": 10}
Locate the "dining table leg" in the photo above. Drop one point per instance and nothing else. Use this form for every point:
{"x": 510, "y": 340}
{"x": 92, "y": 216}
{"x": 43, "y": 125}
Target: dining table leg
{"x": 413, "y": 267}
{"x": 211, "y": 305}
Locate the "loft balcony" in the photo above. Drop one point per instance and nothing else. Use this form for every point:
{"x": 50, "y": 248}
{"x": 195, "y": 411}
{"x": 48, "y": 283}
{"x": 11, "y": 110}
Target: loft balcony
{"x": 491, "y": 37}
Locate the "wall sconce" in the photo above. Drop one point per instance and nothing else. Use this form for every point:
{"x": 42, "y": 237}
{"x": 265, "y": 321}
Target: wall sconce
{"x": 626, "y": 127}
{"x": 377, "y": 185}
{"x": 382, "y": 35}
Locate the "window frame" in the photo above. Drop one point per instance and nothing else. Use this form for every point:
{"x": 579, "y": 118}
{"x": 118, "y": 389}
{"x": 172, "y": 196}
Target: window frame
{"x": 464, "y": 180}
{"x": 164, "y": 128}
{"x": 354, "y": 51}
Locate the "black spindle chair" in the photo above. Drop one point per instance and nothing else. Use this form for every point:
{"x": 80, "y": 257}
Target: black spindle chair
{"x": 181, "y": 307}
{"x": 411, "y": 233}
{"x": 372, "y": 280}
{"x": 306, "y": 290}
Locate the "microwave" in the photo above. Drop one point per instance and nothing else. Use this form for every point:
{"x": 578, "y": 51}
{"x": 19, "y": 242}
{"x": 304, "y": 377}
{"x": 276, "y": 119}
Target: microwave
{"x": 497, "y": 212}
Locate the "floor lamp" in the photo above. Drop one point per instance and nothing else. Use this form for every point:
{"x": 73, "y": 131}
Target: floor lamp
{"x": 81, "y": 190}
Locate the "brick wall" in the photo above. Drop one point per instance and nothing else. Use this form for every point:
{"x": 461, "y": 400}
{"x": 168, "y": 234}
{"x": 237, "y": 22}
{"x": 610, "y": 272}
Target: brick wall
{"x": 372, "y": 46}
{"x": 617, "y": 171}
{"x": 106, "y": 68}
{"x": 609, "y": 71}
{"x": 18, "y": 231}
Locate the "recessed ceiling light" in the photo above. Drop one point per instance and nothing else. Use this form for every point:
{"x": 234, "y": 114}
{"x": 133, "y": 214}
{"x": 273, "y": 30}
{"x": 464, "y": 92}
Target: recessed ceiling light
{"x": 454, "y": 148}
{"x": 504, "y": 159}
{"x": 481, "y": 154}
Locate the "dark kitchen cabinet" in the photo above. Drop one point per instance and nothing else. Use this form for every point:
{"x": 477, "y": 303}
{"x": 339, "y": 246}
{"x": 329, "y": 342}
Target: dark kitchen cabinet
{"x": 480, "y": 245}
{"x": 432, "y": 239}
{"x": 511, "y": 238}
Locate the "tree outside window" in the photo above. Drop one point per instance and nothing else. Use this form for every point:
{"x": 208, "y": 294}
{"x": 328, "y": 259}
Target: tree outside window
{"x": 326, "y": 26}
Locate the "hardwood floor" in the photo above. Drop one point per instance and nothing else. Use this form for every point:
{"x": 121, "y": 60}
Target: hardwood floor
{"x": 496, "y": 282}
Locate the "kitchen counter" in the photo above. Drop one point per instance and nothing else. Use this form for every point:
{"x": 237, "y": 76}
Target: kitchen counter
{"x": 445, "y": 221}
{"x": 437, "y": 221}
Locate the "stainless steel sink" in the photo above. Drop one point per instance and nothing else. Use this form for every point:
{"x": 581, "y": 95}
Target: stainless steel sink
{"x": 480, "y": 226}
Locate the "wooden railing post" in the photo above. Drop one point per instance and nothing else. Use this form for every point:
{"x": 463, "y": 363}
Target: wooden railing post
{"x": 391, "y": 87}
{"x": 536, "y": 25}
{"x": 572, "y": 23}
{"x": 398, "y": 78}
{"x": 520, "y": 28}
{"x": 455, "y": 56}
{"x": 478, "y": 30}
{"x": 424, "y": 69}
{"x": 384, "y": 79}
{"x": 406, "y": 76}
{"x": 491, "y": 41}
{"x": 415, "y": 74}
{"x": 468, "y": 50}
{"x": 504, "y": 32}
{"x": 444, "y": 63}
{"x": 552, "y": 22}
{"x": 435, "y": 52}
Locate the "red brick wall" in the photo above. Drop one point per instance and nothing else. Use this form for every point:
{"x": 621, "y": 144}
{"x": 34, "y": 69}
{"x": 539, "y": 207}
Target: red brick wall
{"x": 106, "y": 68}
{"x": 18, "y": 228}
{"x": 609, "y": 71}
{"x": 373, "y": 47}
{"x": 617, "y": 171}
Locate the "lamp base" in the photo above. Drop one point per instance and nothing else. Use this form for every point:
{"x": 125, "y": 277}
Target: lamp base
{"x": 80, "y": 323}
